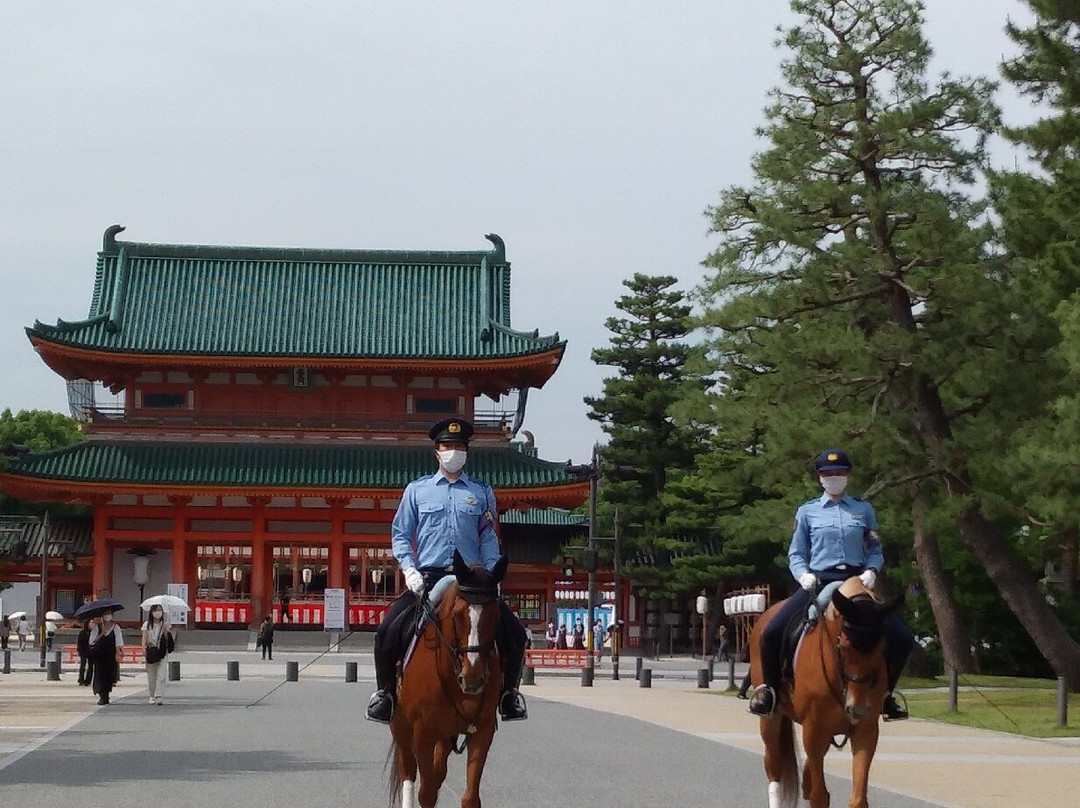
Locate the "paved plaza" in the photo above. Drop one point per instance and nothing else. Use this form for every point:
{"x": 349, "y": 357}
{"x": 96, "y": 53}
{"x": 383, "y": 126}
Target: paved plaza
{"x": 261, "y": 741}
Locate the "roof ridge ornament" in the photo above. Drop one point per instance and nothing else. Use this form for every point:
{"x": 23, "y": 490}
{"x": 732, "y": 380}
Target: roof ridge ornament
{"x": 499, "y": 253}
{"x": 108, "y": 241}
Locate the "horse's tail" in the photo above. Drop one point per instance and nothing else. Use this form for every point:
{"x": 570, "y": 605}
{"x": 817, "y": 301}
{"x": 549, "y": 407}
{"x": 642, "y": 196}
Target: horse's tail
{"x": 393, "y": 780}
{"x": 789, "y": 765}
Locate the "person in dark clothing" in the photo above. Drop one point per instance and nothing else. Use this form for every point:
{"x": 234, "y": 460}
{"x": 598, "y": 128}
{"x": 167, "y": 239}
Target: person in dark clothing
{"x": 286, "y": 599}
{"x": 86, "y": 662}
{"x": 106, "y": 641}
{"x": 266, "y": 638}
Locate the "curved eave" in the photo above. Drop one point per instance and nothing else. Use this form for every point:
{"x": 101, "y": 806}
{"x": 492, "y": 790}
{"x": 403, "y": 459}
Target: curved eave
{"x": 72, "y": 363}
{"x": 38, "y": 489}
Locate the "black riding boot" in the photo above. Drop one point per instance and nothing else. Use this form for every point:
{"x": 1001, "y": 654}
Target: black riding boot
{"x": 512, "y": 703}
{"x": 381, "y": 706}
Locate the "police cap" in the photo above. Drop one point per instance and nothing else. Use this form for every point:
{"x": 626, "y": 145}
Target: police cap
{"x": 456, "y": 430}
{"x": 832, "y": 460}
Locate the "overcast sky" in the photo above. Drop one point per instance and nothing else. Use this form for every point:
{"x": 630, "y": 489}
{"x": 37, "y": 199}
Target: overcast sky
{"x": 590, "y": 135}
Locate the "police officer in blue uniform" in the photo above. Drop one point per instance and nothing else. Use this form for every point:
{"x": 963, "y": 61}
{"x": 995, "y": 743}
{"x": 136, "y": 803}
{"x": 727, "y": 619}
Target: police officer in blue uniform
{"x": 835, "y": 538}
{"x": 438, "y": 514}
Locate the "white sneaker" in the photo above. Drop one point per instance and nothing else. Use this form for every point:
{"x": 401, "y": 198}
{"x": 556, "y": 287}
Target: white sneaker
{"x": 153, "y": 700}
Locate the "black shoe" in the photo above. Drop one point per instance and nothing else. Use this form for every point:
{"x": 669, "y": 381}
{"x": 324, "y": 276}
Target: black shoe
{"x": 891, "y": 709}
{"x": 381, "y": 707}
{"x": 103, "y": 700}
{"x": 763, "y": 701}
{"x": 512, "y": 706}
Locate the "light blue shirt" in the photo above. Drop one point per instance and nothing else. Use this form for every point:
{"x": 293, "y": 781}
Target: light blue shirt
{"x": 829, "y": 533}
{"x": 437, "y": 516}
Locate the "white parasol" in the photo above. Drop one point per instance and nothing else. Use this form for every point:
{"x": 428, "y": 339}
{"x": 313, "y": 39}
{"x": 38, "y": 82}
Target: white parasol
{"x": 53, "y": 616}
{"x": 169, "y": 603}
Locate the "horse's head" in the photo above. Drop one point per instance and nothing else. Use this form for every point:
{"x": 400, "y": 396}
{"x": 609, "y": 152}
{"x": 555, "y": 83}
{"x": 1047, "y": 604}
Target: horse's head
{"x": 469, "y": 617}
{"x": 857, "y": 619}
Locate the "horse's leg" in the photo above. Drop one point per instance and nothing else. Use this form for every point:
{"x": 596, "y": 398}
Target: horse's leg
{"x": 815, "y": 745}
{"x": 428, "y": 791}
{"x": 479, "y": 744}
{"x": 864, "y": 741}
{"x": 781, "y": 769}
{"x": 405, "y": 761}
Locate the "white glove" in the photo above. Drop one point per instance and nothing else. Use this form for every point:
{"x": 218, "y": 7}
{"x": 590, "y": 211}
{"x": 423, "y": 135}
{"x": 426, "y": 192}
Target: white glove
{"x": 868, "y": 578}
{"x": 808, "y": 581}
{"x": 415, "y": 581}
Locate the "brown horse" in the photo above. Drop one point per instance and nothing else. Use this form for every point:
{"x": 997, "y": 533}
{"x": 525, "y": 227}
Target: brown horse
{"x": 449, "y": 688}
{"x": 838, "y": 690}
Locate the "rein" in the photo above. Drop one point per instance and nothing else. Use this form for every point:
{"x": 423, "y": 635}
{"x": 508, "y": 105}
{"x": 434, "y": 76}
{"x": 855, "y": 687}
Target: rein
{"x": 839, "y": 692}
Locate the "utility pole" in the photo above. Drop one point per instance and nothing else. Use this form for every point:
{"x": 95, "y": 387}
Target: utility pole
{"x": 616, "y": 635}
{"x": 590, "y": 563}
{"x": 42, "y": 595}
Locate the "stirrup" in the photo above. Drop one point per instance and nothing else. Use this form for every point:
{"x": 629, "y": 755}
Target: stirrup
{"x": 897, "y": 713}
{"x": 379, "y": 699}
{"x": 763, "y": 701}
{"x": 512, "y": 706}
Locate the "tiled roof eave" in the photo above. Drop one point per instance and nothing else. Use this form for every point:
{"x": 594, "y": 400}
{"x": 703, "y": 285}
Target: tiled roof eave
{"x": 542, "y": 354}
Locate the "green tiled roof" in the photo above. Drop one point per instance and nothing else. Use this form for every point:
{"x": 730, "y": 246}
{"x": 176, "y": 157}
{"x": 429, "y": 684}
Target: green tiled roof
{"x": 66, "y": 535}
{"x": 546, "y": 517}
{"x": 272, "y": 465}
{"x": 267, "y": 302}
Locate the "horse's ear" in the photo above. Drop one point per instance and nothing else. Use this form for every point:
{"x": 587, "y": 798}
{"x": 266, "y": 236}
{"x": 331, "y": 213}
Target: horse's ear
{"x": 461, "y": 569}
{"x": 499, "y": 570}
{"x": 892, "y": 605}
{"x": 844, "y": 605}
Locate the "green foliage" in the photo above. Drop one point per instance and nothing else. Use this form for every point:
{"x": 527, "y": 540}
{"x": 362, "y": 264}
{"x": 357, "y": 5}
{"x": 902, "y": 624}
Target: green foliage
{"x": 37, "y": 431}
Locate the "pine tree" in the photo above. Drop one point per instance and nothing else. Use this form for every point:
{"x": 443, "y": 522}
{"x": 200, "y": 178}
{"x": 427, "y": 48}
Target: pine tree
{"x": 856, "y": 302}
{"x": 647, "y": 442}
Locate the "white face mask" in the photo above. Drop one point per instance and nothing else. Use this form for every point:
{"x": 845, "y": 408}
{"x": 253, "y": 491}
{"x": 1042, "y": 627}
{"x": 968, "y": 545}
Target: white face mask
{"x": 833, "y": 485}
{"x": 452, "y": 460}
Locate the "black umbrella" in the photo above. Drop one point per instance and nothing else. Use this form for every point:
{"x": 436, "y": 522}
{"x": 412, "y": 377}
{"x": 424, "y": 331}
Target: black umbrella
{"x": 97, "y": 608}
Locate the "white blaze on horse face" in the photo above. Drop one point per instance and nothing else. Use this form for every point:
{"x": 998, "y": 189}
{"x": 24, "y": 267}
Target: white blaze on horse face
{"x": 474, "y": 633}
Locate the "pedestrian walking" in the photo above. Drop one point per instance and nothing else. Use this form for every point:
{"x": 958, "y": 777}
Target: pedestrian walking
{"x": 106, "y": 645}
{"x": 5, "y": 632}
{"x": 155, "y": 638}
{"x": 23, "y": 631}
{"x": 266, "y": 638}
{"x": 552, "y": 633}
{"x": 578, "y": 643}
{"x": 86, "y": 662}
{"x": 286, "y": 599}
{"x": 560, "y": 638}
{"x": 50, "y": 633}
{"x": 598, "y": 639}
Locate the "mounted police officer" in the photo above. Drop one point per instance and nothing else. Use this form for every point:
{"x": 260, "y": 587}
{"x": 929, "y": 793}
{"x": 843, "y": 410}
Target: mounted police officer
{"x": 446, "y": 511}
{"x": 835, "y": 538}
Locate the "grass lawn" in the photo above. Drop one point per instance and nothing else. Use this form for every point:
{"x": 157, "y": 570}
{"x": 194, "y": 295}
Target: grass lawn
{"x": 1006, "y": 704}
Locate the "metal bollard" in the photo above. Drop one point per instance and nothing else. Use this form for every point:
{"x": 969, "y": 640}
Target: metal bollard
{"x": 350, "y": 671}
{"x": 638, "y": 662}
{"x": 645, "y": 678}
{"x": 703, "y": 677}
{"x": 1062, "y": 703}
{"x": 528, "y": 675}
{"x": 59, "y": 663}
{"x": 52, "y": 671}
{"x": 731, "y": 672}
{"x": 292, "y": 671}
{"x": 174, "y": 671}
{"x": 587, "y": 677}
{"x": 232, "y": 671}
{"x": 7, "y": 660}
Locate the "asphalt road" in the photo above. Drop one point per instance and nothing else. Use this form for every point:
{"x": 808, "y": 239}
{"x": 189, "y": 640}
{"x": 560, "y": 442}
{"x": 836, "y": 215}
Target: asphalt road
{"x": 306, "y": 745}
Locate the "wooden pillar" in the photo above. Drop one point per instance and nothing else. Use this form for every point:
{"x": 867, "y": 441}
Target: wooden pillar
{"x": 103, "y": 564}
{"x": 294, "y": 561}
{"x": 183, "y": 557}
{"x": 262, "y": 589}
{"x": 338, "y": 562}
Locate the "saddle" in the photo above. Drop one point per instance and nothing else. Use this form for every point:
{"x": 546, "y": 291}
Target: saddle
{"x": 797, "y": 627}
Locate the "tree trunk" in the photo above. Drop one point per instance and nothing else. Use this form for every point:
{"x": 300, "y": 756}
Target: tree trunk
{"x": 993, "y": 551}
{"x": 955, "y": 643}
{"x": 1018, "y": 589}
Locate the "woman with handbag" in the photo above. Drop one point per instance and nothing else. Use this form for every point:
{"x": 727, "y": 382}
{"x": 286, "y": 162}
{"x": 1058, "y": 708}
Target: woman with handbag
{"x": 106, "y": 646}
{"x": 155, "y": 638}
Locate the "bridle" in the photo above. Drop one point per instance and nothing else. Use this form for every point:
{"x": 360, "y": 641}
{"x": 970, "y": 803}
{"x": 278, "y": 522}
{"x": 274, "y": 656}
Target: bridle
{"x": 839, "y": 690}
{"x": 457, "y": 652}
